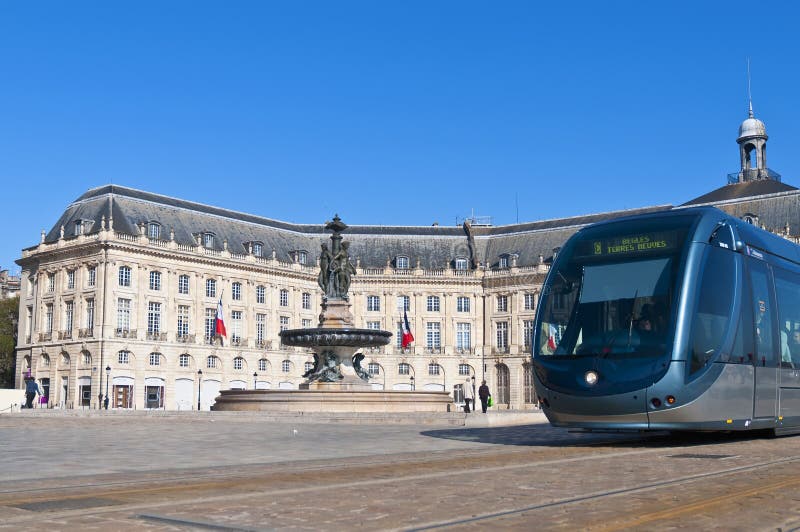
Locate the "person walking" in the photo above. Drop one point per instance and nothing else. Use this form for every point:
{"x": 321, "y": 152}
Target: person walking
{"x": 31, "y": 391}
{"x": 483, "y": 393}
{"x": 469, "y": 396}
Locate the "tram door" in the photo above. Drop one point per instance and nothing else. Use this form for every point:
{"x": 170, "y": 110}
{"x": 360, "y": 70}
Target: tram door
{"x": 766, "y": 367}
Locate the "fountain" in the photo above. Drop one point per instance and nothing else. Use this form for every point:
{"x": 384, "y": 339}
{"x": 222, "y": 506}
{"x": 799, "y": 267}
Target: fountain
{"x": 336, "y": 382}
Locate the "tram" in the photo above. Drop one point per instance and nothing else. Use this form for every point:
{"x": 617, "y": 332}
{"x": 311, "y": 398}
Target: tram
{"x": 687, "y": 319}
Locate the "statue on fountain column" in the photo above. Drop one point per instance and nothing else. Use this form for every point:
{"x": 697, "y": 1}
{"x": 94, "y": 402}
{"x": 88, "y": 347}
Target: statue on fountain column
{"x": 335, "y": 270}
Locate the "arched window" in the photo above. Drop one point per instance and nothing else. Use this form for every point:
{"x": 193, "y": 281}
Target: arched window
{"x": 286, "y": 366}
{"x": 238, "y": 363}
{"x": 123, "y": 357}
{"x": 528, "y": 390}
{"x": 154, "y": 230}
{"x": 434, "y": 369}
{"x": 211, "y": 362}
{"x": 503, "y": 394}
{"x": 401, "y": 262}
{"x": 403, "y": 369}
{"x": 86, "y": 358}
{"x": 155, "y": 359}
{"x": 65, "y": 360}
{"x": 262, "y": 364}
{"x": 45, "y": 360}
{"x": 183, "y": 360}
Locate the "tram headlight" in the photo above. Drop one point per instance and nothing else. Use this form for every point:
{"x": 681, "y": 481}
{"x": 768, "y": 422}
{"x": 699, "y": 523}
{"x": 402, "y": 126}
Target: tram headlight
{"x": 590, "y": 377}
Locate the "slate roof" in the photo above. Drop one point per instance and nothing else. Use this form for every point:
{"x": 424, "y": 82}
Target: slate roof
{"x": 736, "y": 191}
{"x": 432, "y": 246}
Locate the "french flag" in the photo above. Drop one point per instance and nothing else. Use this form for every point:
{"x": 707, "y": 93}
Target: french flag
{"x": 407, "y": 336}
{"x": 219, "y": 322}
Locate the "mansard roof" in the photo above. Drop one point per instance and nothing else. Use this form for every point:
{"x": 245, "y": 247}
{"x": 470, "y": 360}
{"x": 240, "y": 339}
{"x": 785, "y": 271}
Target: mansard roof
{"x": 373, "y": 246}
{"x": 737, "y": 191}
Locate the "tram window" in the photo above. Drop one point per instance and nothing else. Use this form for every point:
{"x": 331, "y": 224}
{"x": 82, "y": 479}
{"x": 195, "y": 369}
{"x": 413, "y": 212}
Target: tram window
{"x": 787, "y": 286}
{"x": 713, "y": 308}
{"x": 763, "y": 313}
{"x": 742, "y": 351}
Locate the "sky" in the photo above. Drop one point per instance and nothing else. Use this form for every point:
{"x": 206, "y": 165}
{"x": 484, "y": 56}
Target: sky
{"x": 387, "y": 112}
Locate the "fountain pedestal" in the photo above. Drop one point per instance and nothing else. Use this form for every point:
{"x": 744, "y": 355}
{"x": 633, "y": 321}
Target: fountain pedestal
{"x": 337, "y": 382}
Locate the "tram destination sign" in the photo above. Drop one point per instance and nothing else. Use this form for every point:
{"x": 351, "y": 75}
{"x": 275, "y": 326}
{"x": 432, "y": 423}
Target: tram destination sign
{"x": 628, "y": 245}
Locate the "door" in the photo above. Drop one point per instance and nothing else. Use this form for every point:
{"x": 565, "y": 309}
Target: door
{"x": 766, "y": 367}
{"x": 503, "y": 394}
{"x": 123, "y": 396}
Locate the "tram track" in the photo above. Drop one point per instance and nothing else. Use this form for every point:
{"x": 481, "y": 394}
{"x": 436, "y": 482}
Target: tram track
{"x": 150, "y": 498}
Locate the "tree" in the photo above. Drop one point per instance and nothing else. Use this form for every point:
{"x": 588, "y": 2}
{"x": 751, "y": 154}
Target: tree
{"x": 9, "y": 319}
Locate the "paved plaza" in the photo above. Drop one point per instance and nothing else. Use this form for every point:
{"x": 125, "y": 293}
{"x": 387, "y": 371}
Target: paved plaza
{"x": 223, "y": 471}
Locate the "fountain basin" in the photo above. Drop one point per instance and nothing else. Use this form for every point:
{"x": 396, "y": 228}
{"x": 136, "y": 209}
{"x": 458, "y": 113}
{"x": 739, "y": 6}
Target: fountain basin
{"x": 335, "y": 337}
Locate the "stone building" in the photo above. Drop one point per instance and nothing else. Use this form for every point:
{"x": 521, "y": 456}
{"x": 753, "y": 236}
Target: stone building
{"x": 9, "y": 284}
{"x": 119, "y": 297}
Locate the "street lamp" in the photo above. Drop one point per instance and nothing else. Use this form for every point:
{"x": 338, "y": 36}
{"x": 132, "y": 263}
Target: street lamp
{"x": 412, "y": 383}
{"x": 108, "y": 377}
{"x": 199, "y": 381}
{"x": 255, "y": 376}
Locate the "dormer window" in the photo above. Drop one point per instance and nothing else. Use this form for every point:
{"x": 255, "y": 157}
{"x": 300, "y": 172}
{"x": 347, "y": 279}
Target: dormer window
{"x": 750, "y": 218}
{"x": 401, "y": 263}
{"x": 82, "y": 227}
{"x": 503, "y": 263}
{"x": 154, "y": 230}
{"x": 300, "y": 256}
{"x": 208, "y": 240}
{"x": 461, "y": 264}
{"x": 258, "y": 248}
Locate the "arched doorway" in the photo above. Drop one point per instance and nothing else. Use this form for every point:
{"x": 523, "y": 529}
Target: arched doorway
{"x": 503, "y": 395}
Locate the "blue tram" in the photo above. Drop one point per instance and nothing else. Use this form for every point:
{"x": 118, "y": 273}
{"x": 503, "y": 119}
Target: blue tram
{"x": 681, "y": 320}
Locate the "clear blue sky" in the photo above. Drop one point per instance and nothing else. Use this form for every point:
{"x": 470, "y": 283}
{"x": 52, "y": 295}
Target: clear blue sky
{"x": 419, "y": 111}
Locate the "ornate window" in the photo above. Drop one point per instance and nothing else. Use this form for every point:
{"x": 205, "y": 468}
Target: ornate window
{"x": 153, "y": 317}
{"x": 403, "y": 303}
{"x": 502, "y": 335}
{"x": 238, "y": 363}
{"x": 183, "y": 360}
{"x": 51, "y": 282}
{"x": 374, "y": 325}
{"x": 529, "y": 301}
{"x": 462, "y": 304}
{"x": 183, "y": 321}
{"x": 464, "y": 369}
{"x": 261, "y": 320}
{"x": 433, "y": 335}
{"x": 403, "y": 369}
{"x": 155, "y": 280}
{"x": 284, "y": 323}
{"x": 45, "y": 360}
{"x": 401, "y": 262}
{"x": 70, "y": 279}
{"x": 154, "y": 231}
{"x": 183, "y": 284}
{"x": 262, "y": 364}
{"x": 284, "y": 297}
{"x": 374, "y": 368}
{"x": 373, "y": 303}
{"x": 155, "y": 359}
{"x": 87, "y": 358}
{"x": 261, "y": 296}
{"x": 502, "y": 303}
{"x": 124, "y": 276}
{"x": 91, "y": 277}
{"x": 123, "y": 314}
{"x": 211, "y": 362}
{"x": 434, "y": 369}
{"x": 306, "y": 300}
{"x": 527, "y": 333}
{"x": 461, "y": 264}
{"x": 208, "y": 240}
{"x": 286, "y": 366}
{"x": 123, "y": 357}
{"x": 433, "y": 304}
{"x": 236, "y": 291}
{"x": 463, "y": 336}
{"x": 211, "y": 288}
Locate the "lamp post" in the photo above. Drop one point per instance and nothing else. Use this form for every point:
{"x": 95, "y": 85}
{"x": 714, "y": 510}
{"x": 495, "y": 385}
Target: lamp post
{"x": 199, "y": 381}
{"x": 474, "y": 396}
{"x": 255, "y": 376}
{"x": 412, "y": 383}
{"x": 108, "y": 377}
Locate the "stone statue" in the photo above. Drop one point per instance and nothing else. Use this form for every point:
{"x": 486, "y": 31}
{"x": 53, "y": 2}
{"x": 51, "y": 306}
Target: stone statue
{"x": 325, "y": 259}
{"x": 344, "y": 270}
{"x": 361, "y": 372}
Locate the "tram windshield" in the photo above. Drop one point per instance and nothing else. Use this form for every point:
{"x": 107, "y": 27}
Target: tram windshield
{"x": 612, "y": 291}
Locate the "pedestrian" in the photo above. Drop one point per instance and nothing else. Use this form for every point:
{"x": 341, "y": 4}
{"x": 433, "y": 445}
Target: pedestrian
{"x": 483, "y": 393}
{"x": 469, "y": 396}
{"x": 31, "y": 391}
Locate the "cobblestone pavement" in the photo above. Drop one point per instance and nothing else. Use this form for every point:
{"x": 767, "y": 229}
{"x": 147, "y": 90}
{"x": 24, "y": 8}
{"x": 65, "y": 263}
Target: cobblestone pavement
{"x": 147, "y": 473}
